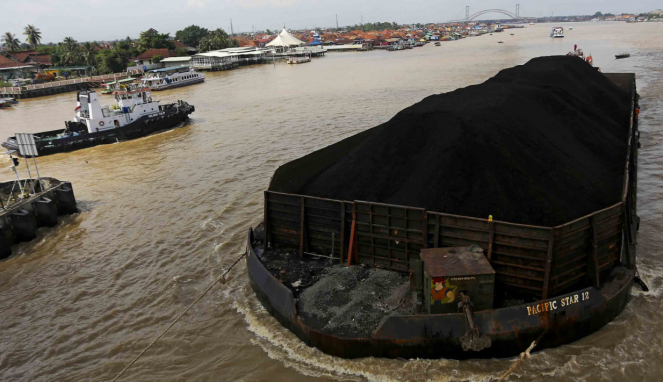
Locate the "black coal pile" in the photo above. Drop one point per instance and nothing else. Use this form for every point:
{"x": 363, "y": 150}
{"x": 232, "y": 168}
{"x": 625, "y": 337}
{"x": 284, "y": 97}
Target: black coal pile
{"x": 543, "y": 143}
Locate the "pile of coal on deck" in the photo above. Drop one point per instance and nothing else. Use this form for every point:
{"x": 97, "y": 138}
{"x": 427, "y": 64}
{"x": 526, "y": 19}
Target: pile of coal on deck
{"x": 353, "y": 301}
{"x": 542, "y": 143}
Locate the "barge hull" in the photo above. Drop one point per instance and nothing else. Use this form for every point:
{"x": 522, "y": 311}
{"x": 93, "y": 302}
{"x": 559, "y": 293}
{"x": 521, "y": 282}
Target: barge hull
{"x": 511, "y": 330}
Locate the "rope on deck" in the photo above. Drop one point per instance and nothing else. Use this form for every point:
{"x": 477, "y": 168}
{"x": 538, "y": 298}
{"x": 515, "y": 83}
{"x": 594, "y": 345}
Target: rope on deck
{"x": 178, "y": 317}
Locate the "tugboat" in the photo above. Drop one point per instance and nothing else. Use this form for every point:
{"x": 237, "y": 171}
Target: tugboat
{"x": 135, "y": 114}
{"x": 167, "y": 78}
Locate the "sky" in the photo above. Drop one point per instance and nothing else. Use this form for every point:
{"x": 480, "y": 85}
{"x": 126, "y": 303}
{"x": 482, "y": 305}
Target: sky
{"x": 102, "y": 20}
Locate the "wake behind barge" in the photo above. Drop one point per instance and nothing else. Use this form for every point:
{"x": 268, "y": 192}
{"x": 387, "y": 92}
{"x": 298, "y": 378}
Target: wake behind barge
{"x": 358, "y": 279}
{"x": 134, "y": 115}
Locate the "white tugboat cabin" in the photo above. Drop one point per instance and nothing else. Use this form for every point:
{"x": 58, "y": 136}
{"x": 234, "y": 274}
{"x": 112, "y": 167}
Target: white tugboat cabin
{"x": 130, "y": 105}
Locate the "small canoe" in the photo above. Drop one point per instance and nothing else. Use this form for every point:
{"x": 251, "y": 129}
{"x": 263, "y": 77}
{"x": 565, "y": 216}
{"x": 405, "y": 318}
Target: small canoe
{"x": 623, "y": 55}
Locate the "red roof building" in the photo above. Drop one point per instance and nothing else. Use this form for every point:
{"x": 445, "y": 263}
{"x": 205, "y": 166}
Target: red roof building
{"x": 145, "y": 58}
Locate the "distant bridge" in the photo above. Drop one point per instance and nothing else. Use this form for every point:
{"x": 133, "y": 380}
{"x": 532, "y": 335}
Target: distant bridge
{"x": 514, "y": 16}
{"x": 502, "y": 11}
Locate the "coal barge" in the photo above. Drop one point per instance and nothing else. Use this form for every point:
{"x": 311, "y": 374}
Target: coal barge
{"x": 362, "y": 277}
{"x": 135, "y": 114}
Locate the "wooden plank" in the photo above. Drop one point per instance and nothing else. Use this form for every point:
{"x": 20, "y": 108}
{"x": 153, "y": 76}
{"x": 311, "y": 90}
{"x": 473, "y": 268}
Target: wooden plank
{"x": 593, "y": 260}
{"x": 491, "y": 237}
{"x": 265, "y": 224}
{"x": 302, "y": 226}
{"x": 437, "y": 230}
{"x": 342, "y": 246}
{"x": 546, "y": 279}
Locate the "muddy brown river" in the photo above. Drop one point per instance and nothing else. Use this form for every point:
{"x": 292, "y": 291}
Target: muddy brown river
{"x": 163, "y": 216}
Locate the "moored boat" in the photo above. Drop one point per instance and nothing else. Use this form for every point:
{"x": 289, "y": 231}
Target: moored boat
{"x": 622, "y": 55}
{"x": 110, "y": 87}
{"x": 298, "y": 60}
{"x": 173, "y": 77}
{"x": 135, "y": 114}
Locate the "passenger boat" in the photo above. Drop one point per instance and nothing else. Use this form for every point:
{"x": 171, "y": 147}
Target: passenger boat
{"x": 557, "y": 32}
{"x": 167, "y": 78}
{"x": 4, "y": 104}
{"x": 310, "y": 243}
{"x": 135, "y": 114}
{"x": 622, "y": 55}
{"x": 437, "y": 43}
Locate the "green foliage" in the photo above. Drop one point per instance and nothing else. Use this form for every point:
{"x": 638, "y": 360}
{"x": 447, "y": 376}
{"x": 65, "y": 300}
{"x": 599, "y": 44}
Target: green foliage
{"x": 215, "y": 40}
{"x": 33, "y": 35}
{"x": 10, "y": 42}
{"x": 45, "y": 49}
{"x": 191, "y": 35}
{"x": 152, "y": 39}
{"x": 111, "y": 61}
{"x": 268, "y": 31}
{"x": 156, "y": 59}
{"x": 5, "y": 84}
{"x": 598, "y": 14}
{"x": 379, "y": 26}
{"x": 88, "y": 52}
{"x": 181, "y": 52}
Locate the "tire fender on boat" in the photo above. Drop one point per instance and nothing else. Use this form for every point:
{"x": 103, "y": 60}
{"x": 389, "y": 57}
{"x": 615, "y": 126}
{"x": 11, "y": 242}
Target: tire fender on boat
{"x": 101, "y": 123}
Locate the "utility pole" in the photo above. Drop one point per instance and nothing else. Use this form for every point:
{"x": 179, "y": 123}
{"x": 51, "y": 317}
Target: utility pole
{"x": 362, "y": 20}
{"x": 337, "y": 21}
{"x": 232, "y": 33}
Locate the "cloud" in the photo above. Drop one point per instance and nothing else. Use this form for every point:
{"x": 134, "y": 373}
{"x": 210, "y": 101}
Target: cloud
{"x": 195, "y": 3}
{"x": 265, "y": 3}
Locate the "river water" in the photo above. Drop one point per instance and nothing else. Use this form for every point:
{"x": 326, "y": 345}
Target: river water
{"x": 163, "y": 216}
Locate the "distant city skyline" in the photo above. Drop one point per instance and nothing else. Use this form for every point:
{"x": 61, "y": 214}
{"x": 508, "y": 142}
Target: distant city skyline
{"x": 102, "y": 20}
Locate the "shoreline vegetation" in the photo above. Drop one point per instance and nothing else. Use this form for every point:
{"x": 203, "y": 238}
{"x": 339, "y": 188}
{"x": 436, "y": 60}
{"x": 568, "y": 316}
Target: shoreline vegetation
{"x": 48, "y": 62}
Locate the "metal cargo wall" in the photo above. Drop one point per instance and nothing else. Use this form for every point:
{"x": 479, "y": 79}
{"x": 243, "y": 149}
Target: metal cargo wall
{"x": 539, "y": 261}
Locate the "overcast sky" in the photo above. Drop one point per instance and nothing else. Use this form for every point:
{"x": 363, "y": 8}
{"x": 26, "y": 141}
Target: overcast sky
{"x": 87, "y": 20}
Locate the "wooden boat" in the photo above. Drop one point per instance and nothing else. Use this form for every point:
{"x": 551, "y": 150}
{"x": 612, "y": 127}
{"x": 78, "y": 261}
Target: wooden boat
{"x": 622, "y": 55}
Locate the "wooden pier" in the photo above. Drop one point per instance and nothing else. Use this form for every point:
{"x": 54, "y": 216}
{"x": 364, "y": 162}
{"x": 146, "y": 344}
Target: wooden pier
{"x": 57, "y": 87}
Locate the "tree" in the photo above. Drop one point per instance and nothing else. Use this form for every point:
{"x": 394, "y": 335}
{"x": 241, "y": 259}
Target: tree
{"x": 71, "y": 53}
{"x": 10, "y": 42}
{"x": 156, "y": 59}
{"x": 191, "y": 35}
{"x": 152, "y": 39}
{"x": 598, "y": 14}
{"x": 216, "y": 40}
{"x": 33, "y": 35}
{"x": 180, "y": 52}
{"x": 88, "y": 52}
{"x": 110, "y": 61}
{"x": 268, "y": 31}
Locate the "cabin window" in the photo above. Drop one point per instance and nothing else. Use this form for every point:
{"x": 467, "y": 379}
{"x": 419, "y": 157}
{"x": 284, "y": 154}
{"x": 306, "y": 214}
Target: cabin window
{"x": 105, "y": 112}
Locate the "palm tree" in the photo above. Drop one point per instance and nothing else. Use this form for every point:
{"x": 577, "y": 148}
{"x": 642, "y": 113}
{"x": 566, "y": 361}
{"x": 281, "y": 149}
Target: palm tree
{"x": 33, "y": 35}
{"x": 11, "y": 42}
{"x": 88, "y": 52}
{"x": 71, "y": 51}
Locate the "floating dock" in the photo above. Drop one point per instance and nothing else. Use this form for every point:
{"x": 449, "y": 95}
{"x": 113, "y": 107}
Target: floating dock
{"x": 20, "y": 219}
